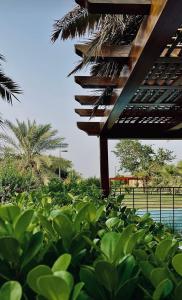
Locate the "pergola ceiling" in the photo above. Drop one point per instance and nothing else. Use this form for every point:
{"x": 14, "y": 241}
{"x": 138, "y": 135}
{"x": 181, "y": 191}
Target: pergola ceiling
{"x": 146, "y": 100}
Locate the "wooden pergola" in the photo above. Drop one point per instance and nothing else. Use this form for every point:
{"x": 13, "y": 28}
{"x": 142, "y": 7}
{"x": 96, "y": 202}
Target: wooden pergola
{"x": 145, "y": 102}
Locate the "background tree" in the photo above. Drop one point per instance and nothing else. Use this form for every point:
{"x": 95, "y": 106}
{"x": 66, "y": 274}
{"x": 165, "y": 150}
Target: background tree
{"x": 28, "y": 142}
{"x": 139, "y": 159}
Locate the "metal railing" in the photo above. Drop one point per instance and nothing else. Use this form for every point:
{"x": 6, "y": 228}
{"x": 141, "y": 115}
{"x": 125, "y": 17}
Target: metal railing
{"x": 163, "y": 203}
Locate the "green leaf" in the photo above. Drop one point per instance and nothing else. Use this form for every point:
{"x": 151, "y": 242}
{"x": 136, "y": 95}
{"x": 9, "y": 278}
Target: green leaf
{"x": 62, "y": 263}
{"x": 126, "y": 291}
{"x": 11, "y": 290}
{"x": 163, "y": 249}
{"x": 9, "y": 249}
{"x": 146, "y": 268}
{"x": 163, "y": 290}
{"x": 78, "y": 287}
{"x": 22, "y": 222}
{"x": 33, "y": 249}
{"x": 99, "y": 212}
{"x": 65, "y": 228}
{"x": 157, "y": 275}
{"x": 133, "y": 240}
{"x": 107, "y": 275}
{"x": 92, "y": 286}
{"x": 126, "y": 269}
{"x": 36, "y": 273}
{"x": 178, "y": 291}
{"x": 53, "y": 288}
{"x": 112, "y": 222}
{"x": 86, "y": 213}
{"x": 67, "y": 277}
{"x": 9, "y": 212}
{"x": 177, "y": 263}
{"x": 110, "y": 246}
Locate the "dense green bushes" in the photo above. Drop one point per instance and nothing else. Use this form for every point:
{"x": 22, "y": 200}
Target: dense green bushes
{"x": 83, "y": 251}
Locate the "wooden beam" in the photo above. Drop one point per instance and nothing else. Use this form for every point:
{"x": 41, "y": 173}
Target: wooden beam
{"x": 99, "y": 82}
{"x": 91, "y": 113}
{"x": 117, "y": 53}
{"x": 108, "y": 101}
{"x": 133, "y": 131}
{"x": 132, "y": 7}
{"x": 133, "y": 112}
{"x": 104, "y": 167}
{"x": 92, "y": 100}
{"x": 155, "y": 29}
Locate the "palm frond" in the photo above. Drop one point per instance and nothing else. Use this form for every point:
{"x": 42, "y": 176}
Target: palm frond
{"x": 75, "y": 23}
{"x": 8, "y": 88}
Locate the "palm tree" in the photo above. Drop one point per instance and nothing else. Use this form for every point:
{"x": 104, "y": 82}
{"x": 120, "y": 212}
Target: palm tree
{"x": 28, "y": 142}
{"x": 101, "y": 30}
{"x": 8, "y": 88}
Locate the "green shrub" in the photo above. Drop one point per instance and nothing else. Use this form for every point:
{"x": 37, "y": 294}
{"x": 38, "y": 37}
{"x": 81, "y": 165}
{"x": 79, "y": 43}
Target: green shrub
{"x": 85, "y": 250}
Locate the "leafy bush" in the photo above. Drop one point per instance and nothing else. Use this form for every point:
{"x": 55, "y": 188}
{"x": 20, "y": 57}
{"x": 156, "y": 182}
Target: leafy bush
{"x": 13, "y": 181}
{"x": 85, "y": 251}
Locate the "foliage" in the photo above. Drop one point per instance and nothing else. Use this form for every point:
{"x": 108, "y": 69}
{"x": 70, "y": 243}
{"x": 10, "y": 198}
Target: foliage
{"x": 8, "y": 88}
{"x": 13, "y": 181}
{"x": 85, "y": 251}
{"x": 102, "y": 30}
{"x": 29, "y": 143}
{"x": 135, "y": 157}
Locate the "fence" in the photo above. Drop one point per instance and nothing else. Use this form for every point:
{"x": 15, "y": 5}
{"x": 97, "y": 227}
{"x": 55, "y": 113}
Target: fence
{"x": 163, "y": 203}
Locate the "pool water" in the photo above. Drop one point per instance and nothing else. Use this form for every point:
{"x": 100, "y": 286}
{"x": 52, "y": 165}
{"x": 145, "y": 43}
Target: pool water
{"x": 168, "y": 217}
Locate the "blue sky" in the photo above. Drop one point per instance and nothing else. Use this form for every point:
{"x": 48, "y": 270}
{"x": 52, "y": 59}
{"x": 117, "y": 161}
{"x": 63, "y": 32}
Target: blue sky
{"x": 41, "y": 70}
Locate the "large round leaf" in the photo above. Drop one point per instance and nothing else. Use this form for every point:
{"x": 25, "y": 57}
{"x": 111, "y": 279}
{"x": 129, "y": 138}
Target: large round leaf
{"x": 163, "y": 249}
{"x": 62, "y": 263}
{"x": 9, "y": 212}
{"x": 11, "y": 290}
{"x": 9, "y": 249}
{"x": 107, "y": 275}
{"x": 53, "y": 288}
{"x": 92, "y": 286}
{"x": 36, "y": 273}
{"x": 177, "y": 263}
{"x": 34, "y": 247}
{"x": 22, "y": 222}
{"x": 110, "y": 246}
{"x": 163, "y": 290}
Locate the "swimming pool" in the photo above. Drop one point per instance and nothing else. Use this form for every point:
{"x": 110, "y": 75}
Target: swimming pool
{"x": 166, "y": 216}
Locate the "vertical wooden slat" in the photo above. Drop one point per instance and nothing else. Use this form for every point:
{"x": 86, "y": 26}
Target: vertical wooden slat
{"x": 104, "y": 167}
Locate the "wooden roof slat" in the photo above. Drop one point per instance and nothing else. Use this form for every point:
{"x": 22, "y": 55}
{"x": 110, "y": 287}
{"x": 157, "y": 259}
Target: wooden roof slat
{"x": 163, "y": 21}
{"x": 118, "y": 53}
{"x": 92, "y": 100}
{"x": 135, "y": 131}
{"x": 121, "y": 54}
{"x": 90, "y": 113}
{"x": 133, "y": 112}
{"x": 99, "y": 82}
{"x": 141, "y": 7}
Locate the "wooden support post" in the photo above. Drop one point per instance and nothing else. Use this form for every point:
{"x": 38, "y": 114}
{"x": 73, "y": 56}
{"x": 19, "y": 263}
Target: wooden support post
{"x": 104, "y": 167}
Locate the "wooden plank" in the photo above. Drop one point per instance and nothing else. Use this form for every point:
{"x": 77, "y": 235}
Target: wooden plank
{"x": 117, "y": 53}
{"x": 132, "y": 131}
{"x": 92, "y": 100}
{"x": 104, "y": 167}
{"x": 139, "y": 7}
{"x": 91, "y": 113}
{"x": 157, "y": 28}
{"x": 132, "y": 112}
{"x": 99, "y": 82}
